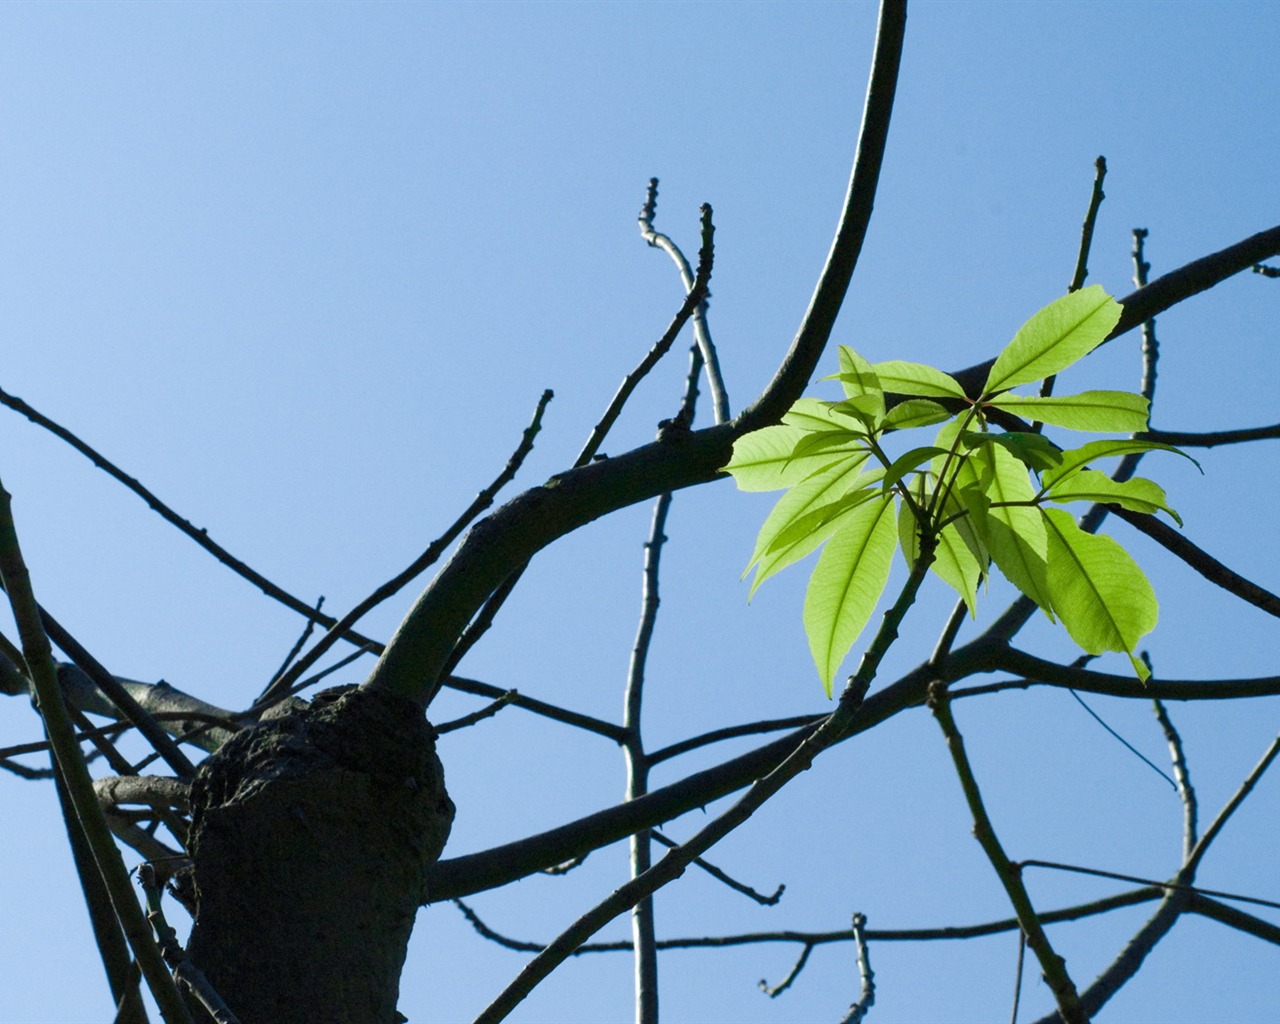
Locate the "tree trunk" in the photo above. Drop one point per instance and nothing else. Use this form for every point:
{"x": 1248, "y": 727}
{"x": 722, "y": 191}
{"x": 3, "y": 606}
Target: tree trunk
{"x": 311, "y": 835}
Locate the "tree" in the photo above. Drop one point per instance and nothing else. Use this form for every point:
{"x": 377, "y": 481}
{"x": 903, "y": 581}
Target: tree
{"x": 492, "y": 554}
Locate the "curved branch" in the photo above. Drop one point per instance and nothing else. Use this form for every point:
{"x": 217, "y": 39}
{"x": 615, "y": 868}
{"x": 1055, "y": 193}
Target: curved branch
{"x": 1188, "y": 280}
{"x": 418, "y": 653}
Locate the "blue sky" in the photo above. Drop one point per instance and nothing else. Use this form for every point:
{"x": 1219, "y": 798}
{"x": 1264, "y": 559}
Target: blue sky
{"x": 304, "y": 269}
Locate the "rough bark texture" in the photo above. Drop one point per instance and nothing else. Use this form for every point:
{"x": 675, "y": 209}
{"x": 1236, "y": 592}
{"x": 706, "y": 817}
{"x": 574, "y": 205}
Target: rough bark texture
{"x": 311, "y": 836}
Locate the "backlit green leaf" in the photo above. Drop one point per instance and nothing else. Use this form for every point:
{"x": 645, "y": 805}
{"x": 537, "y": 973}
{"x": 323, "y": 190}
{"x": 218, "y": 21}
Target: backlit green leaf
{"x": 858, "y": 378}
{"x": 915, "y": 412}
{"x": 811, "y": 494}
{"x": 1075, "y": 459}
{"x": 1102, "y": 597}
{"x": 765, "y": 460}
{"x": 1033, "y": 450}
{"x": 1137, "y": 494}
{"x": 1064, "y": 331}
{"x": 1101, "y": 411}
{"x": 846, "y": 584}
{"x": 812, "y": 414}
{"x": 903, "y": 378}
{"x": 1015, "y": 533}
{"x": 957, "y": 566}
{"x": 904, "y": 464}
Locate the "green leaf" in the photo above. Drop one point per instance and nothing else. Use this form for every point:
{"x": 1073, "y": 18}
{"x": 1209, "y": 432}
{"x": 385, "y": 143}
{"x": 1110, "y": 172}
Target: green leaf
{"x": 815, "y": 519}
{"x": 765, "y": 460}
{"x": 1075, "y": 459}
{"x": 1102, "y": 597}
{"x": 957, "y": 566}
{"x": 866, "y": 409}
{"x": 858, "y": 378}
{"x": 1064, "y": 331}
{"x": 816, "y": 492}
{"x": 915, "y": 412}
{"x": 903, "y": 378}
{"x": 846, "y": 584}
{"x": 1100, "y": 411}
{"x": 1033, "y": 450}
{"x": 829, "y": 442}
{"x": 1137, "y": 494}
{"x": 1015, "y": 534}
{"x": 904, "y": 464}
{"x": 812, "y": 414}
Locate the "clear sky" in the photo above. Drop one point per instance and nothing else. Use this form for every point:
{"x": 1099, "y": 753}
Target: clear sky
{"x": 304, "y": 269}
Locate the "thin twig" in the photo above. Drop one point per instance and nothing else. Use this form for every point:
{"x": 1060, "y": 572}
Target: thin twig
{"x": 696, "y": 293}
{"x": 286, "y": 683}
{"x": 701, "y": 332}
{"x": 1209, "y": 439}
{"x": 1182, "y": 774}
{"x": 947, "y": 933}
{"x": 488, "y": 711}
{"x": 866, "y": 977}
{"x": 1086, "y": 230}
{"x": 307, "y": 629}
{"x": 773, "y": 991}
{"x": 1017, "y": 975}
{"x": 1082, "y": 256}
{"x": 731, "y": 732}
{"x": 1228, "y": 809}
{"x": 199, "y": 535}
{"x": 1052, "y": 966}
{"x": 721, "y": 876}
{"x": 1172, "y": 886}
{"x": 1150, "y": 346}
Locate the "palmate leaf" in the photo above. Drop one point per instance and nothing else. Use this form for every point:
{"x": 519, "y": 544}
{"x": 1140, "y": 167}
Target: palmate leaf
{"x": 1102, "y": 597}
{"x": 847, "y": 582}
{"x": 1137, "y": 494}
{"x": 809, "y": 495}
{"x": 1064, "y": 331}
{"x": 1100, "y": 411}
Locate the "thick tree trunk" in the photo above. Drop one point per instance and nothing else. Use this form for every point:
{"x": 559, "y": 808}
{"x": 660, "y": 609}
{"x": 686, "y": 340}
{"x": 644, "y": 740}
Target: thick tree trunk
{"x": 311, "y": 835}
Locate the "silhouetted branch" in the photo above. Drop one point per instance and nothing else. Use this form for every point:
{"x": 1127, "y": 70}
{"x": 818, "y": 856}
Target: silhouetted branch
{"x": 721, "y": 876}
{"x": 773, "y": 991}
{"x": 701, "y": 331}
{"x": 286, "y": 682}
{"x": 199, "y": 535}
{"x": 1052, "y": 965}
{"x": 1150, "y": 346}
{"x": 488, "y": 711}
{"x": 1209, "y": 439}
{"x": 731, "y": 732}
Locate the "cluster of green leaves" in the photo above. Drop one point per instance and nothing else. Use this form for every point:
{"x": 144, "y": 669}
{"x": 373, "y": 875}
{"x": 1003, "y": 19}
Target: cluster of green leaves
{"x": 971, "y": 498}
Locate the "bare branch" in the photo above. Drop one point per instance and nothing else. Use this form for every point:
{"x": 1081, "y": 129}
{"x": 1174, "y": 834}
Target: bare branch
{"x": 1187, "y": 792}
{"x": 1199, "y": 560}
{"x": 1052, "y": 966}
{"x": 286, "y": 682}
{"x": 1164, "y": 292}
{"x": 701, "y": 332}
{"x": 721, "y": 876}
